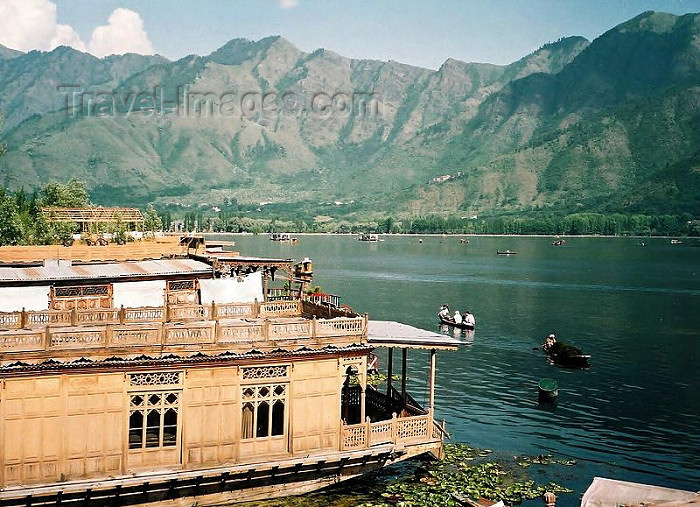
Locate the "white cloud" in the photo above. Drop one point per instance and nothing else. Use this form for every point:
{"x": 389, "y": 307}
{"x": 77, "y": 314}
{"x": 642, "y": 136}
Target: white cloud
{"x": 123, "y": 33}
{"x": 66, "y": 36}
{"x": 28, "y": 24}
{"x": 31, "y": 24}
{"x": 289, "y": 4}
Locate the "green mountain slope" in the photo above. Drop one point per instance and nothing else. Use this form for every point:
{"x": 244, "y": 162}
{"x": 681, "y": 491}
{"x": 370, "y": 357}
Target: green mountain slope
{"x": 611, "y": 122}
{"x": 610, "y": 125}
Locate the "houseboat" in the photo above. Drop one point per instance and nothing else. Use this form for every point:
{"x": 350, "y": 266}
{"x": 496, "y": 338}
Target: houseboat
{"x": 369, "y": 237}
{"x": 179, "y": 379}
{"x": 280, "y": 236}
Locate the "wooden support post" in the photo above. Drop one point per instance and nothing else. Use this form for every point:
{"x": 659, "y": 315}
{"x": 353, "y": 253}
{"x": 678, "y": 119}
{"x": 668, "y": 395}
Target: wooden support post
{"x": 389, "y": 370}
{"x": 24, "y": 319}
{"x": 74, "y": 317}
{"x": 122, "y": 315}
{"x": 404, "y": 355}
{"x": 431, "y": 402}
{"x": 265, "y": 282}
{"x": 256, "y": 309}
{"x": 368, "y": 432}
{"x": 213, "y": 310}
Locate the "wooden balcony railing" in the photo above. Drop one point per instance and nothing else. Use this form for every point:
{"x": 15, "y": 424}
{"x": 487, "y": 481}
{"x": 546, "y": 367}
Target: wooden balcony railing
{"x": 397, "y": 430}
{"x": 169, "y": 313}
{"x": 145, "y": 327}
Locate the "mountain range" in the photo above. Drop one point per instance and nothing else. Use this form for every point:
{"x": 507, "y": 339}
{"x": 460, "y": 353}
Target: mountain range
{"x": 610, "y": 125}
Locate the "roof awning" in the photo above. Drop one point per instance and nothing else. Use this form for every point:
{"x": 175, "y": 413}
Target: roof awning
{"x": 387, "y": 333}
{"x": 611, "y": 493}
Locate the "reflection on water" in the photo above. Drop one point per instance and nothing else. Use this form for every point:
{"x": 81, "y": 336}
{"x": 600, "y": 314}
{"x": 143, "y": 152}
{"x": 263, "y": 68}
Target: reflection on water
{"x": 466, "y": 336}
{"x": 634, "y": 415}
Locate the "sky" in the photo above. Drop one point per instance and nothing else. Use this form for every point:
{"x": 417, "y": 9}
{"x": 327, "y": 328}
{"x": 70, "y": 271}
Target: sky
{"x": 418, "y": 32}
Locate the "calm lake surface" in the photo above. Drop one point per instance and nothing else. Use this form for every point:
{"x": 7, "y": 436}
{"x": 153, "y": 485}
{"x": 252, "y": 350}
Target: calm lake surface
{"x": 634, "y": 415}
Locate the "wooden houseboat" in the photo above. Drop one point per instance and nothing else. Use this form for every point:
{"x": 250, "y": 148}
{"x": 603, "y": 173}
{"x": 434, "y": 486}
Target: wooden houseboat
{"x": 369, "y": 237}
{"x": 178, "y": 379}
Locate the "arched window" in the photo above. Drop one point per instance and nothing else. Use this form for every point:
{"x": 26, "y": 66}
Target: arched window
{"x": 136, "y": 430}
{"x": 262, "y": 427}
{"x": 247, "y": 421}
{"x": 277, "y": 418}
{"x": 153, "y": 419}
{"x": 263, "y": 413}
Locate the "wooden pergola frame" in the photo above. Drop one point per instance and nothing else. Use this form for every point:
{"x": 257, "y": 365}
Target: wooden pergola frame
{"x": 96, "y": 216}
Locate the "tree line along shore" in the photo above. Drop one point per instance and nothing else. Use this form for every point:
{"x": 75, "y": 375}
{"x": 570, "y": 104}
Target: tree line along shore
{"x": 23, "y": 223}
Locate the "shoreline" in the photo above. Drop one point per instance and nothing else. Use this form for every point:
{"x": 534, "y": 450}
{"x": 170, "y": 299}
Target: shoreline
{"x": 446, "y": 235}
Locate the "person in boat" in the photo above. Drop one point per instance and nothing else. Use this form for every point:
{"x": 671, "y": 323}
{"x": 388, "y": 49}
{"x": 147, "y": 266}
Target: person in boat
{"x": 549, "y": 342}
{"x": 457, "y": 317}
{"x": 445, "y": 312}
{"x": 469, "y": 318}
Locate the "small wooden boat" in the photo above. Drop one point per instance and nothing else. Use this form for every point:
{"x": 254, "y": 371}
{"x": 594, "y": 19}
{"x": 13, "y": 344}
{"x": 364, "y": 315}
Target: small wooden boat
{"x": 568, "y": 356}
{"x": 505, "y": 252}
{"x": 547, "y": 389}
{"x": 559, "y": 242}
{"x": 452, "y": 323}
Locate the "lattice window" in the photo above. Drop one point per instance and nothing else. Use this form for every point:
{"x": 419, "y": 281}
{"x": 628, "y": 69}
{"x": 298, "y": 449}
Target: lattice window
{"x": 153, "y": 419}
{"x": 263, "y": 412}
{"x": 157, "y": 378}
{"x": 265, "y": 372}
{"x": 81, "y": 291}
{"x": 174, "y": 285}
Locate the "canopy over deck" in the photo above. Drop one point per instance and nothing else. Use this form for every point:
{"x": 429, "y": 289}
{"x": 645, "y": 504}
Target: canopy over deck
{"x": 386, "y": 333}
{"x": 608, "y": 492}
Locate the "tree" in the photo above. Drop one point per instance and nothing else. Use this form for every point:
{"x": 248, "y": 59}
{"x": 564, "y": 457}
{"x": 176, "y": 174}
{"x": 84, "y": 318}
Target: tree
{"x": 152, "y": 222}
{"x": 74, "y": 194}
{"x": 10, "y": 223}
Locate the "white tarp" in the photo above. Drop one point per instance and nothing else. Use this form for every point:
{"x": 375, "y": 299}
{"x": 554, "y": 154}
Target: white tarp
{"x": 230, "y": 290}
{"x": 137, "y": 294}
{"x": 13, "y": 299}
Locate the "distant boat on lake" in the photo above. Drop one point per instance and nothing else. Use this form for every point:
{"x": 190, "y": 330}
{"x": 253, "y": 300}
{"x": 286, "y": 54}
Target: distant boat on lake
{"x": 505, "y": 252}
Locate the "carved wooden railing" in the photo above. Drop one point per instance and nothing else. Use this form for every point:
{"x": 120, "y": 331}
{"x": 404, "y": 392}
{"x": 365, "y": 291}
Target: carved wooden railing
{"x": 339, "y": 326}
{"x": 172, "y": 313}
{"x": 144, "y": 314}
{"x": 112, "y": 328}
{"x": 397, "y": 430}
{"x": 235, "y": 311}
{"x": 280, "y": 308}
{"x": 189, "y": 312}
{"x": 11, "y": 320}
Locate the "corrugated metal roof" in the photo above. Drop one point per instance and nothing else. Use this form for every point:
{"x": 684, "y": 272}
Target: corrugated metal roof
{"x": 386, "y": 333}
{"x": 65, "y": 271}
{"x": 611, "y": 493}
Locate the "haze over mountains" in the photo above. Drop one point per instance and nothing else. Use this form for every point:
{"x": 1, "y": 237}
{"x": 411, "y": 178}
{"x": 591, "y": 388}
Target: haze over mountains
{"x": 610, "y": 125}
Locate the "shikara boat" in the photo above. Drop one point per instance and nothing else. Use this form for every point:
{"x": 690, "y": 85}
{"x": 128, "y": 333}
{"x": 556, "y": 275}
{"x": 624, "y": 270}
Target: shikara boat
{"x": 568, "y": 356}
{"x": 452, "y": 323}
{"x": 505, "y": 252}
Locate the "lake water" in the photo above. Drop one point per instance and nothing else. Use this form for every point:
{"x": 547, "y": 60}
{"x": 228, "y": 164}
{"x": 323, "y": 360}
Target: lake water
{"x": 634, "y": 415}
